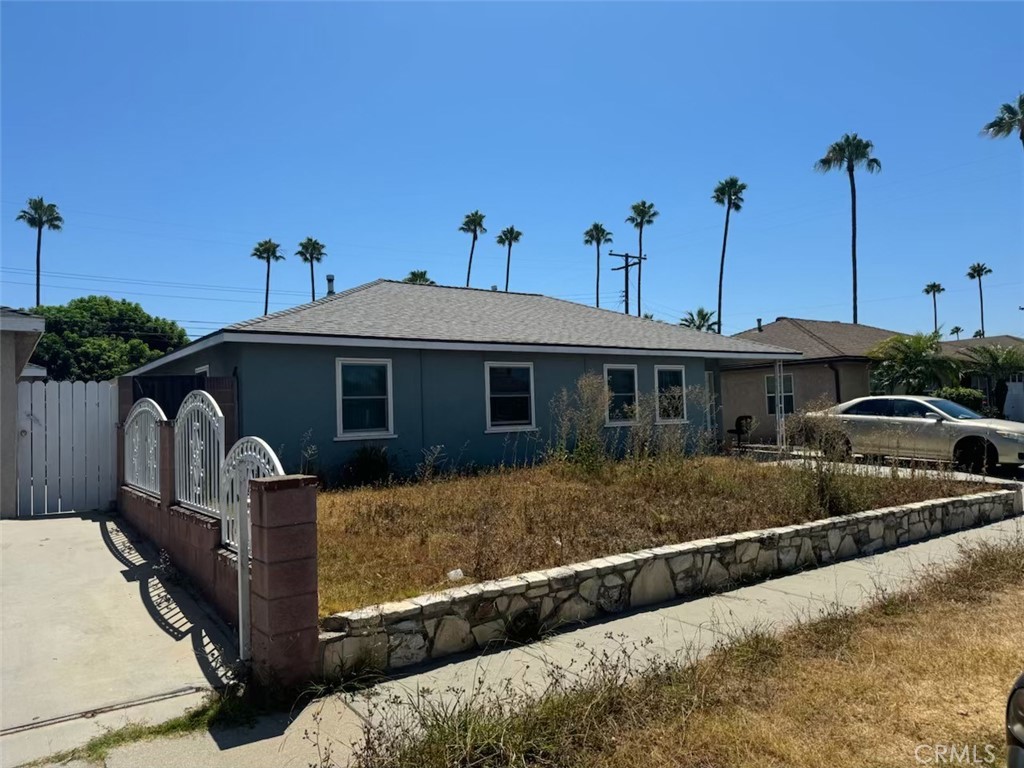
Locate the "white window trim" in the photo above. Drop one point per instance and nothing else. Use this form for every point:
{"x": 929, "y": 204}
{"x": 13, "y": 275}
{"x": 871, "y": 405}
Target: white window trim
{"x": 490, "y": 429}
{"x": 768, "y": 394}
{"x": 636, "y": 395}
{"x": 365, "y": 435}
{"x": 657, "y": 395}
{"x": 203, "y": 369}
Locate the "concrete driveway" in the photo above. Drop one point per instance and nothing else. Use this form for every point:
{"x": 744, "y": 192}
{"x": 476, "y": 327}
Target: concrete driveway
{"x": 94, "y": 635}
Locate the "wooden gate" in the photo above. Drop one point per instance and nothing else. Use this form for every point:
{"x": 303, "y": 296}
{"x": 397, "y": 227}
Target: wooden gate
{"x": 67, "y": 449}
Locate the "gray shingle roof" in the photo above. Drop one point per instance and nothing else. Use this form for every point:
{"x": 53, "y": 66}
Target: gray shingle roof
{"x": 820, "y": 339}
{"x": 386, "y": 309}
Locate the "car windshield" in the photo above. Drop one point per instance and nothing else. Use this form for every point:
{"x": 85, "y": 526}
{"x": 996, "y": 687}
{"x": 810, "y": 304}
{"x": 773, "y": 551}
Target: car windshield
{"x": 955, "y": 410}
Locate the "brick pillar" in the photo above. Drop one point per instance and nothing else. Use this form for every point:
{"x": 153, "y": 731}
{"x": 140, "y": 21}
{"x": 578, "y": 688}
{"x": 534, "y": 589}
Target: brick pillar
{"x": 165, "y": 430}
{"x": 284, "y": 600}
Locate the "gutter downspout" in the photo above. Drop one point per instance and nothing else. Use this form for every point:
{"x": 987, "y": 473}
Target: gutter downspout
{"x": 835, "y": 375}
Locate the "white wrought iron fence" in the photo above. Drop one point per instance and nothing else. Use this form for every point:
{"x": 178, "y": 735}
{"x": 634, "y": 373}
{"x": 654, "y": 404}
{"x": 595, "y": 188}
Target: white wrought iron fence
{"x": 142, "y": 446}
{"x": 198, "y": 452}
{"x": 249, "y": 458}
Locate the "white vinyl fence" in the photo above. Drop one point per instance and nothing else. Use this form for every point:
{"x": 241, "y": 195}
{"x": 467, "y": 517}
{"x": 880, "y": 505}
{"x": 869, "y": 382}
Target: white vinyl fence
{"x": 67, "y": 449}
{"x": 142, "y": 446}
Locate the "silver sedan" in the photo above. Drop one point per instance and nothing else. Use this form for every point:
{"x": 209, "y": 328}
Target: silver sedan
{"x": 929, "y": 428}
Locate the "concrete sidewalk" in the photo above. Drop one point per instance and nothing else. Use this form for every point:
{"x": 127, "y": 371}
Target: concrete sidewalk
{"x": 691, "y": 628}
{"x": 93, "y": 636}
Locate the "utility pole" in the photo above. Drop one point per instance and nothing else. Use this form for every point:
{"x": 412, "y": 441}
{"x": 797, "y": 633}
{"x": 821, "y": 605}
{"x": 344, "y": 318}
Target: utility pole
{"x": 628, "y": 261}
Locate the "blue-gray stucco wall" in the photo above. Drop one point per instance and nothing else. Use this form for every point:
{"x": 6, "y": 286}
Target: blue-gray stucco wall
{"x": 285, "y": 390}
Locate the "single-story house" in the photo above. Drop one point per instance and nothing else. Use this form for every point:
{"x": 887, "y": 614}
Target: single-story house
{"x": 411, "y": 367}
{"x": 1008, "y": 393}
{"x": 834, "y": 367}
{"x": 19, "y": 334}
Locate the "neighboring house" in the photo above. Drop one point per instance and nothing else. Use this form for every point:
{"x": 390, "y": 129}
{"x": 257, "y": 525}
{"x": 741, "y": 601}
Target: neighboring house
{"x": 835, "y": 367}
{"x": 1013, "y": 407}
{"x": 411, "y": 367}
{"x": 19, "y": 334}
{"x": 32, "y": 372}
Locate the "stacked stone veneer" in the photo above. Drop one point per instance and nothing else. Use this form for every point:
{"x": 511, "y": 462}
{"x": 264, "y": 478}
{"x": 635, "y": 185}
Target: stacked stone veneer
{"x": 432, "y": 626}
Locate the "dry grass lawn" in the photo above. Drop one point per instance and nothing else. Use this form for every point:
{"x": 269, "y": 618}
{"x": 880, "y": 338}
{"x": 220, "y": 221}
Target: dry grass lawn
{"x": 380, "y": 544}
{"x": 928, "y": 667}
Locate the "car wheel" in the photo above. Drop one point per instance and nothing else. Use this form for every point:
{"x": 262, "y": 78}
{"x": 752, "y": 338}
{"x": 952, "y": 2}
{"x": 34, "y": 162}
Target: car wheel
{"x": 974, "y": 456}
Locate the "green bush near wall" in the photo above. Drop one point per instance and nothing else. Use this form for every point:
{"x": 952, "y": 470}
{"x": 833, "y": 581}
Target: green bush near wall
{"x": 965, "y": 396}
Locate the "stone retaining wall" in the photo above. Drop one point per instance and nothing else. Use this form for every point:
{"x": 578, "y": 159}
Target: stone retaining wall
{"x": 396, "y": 635}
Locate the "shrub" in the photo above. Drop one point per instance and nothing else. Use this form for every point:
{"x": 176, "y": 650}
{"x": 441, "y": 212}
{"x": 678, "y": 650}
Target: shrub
{"x": 369, "y": 465}
{"x": 967, "y": 397}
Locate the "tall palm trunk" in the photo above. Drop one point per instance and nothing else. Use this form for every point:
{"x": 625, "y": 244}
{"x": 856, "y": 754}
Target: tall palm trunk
{"x": 508, "y": 265}
{"x": 39, "y": 250}
{"x": 597, "y": 288}
{"x": 853, "y": 239}
{"x": 312, "y": 282}
{"x": 266, "y": 296}
{"x": 721, "y": 266}
{"x": 639, "y": 270}
{"x": 469, "y": 269}
{"x": 935, "y": 312}
{"x": 981, "y": 301}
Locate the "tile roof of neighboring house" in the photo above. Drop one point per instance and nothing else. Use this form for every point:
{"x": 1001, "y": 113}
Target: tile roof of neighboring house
{"x": 956, "y": 347}
{"x": 819, "y": 339}
{"x": 386, "y": 309}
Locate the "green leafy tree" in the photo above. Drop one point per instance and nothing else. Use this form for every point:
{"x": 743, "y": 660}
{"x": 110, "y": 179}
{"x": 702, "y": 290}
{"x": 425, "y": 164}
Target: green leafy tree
{"x": 310, "y": 252}
{"x": 976, "y": 272}
{"x": 956, "y": 330}
{"x": 643, "y": 215}
{"x": 849, "y": 153}
{"x": 933, "y": 290}
{"x": 508, "y": 236}
{"x": 701, "y": 320}
{"x": 268, "y": 251}
{"x": 996, "y": 363}
{"x": 978, "y": 334}
{"x": 97, "y": 337}
{"x": 1010, "y": 120}
{"x": 419, "y": 277}
{"x": 40, "y": 215}
{"x": 597, "y": 236}
{"x": 472, "y": 224}
{"x": 914, "y": 364}
{"x": 728, "y": 193}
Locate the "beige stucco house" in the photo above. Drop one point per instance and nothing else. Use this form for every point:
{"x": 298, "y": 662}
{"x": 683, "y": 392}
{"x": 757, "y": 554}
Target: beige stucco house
{"x": 835, "y": 367}
{"x": 19, "y": 333}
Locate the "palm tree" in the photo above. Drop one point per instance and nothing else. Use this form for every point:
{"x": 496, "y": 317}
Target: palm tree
{"x": 933, "y": 290}
{"x": 848, "y": 153}
{"x": 508, "y": 236}
{"x": 418, "y": 277}
{"x": 597, "y": 235}
{"x": 730, "y": 194}
{"x": 311, "y": 252}
{"x": 701, "y": 320}
{"x": 956, "y": 330}
{"x": 997, "y": 364}
{"x": 39, "y": 214}
{"x": 268, "y": 251}
{"x": 976, "y": 272}
{"x": 915, "y": 363}
{"x": 978, "y": 334}
{"x": 1009, "y": 119}
{"x": 643, "y": 215}
{"x": 473, "y": 224}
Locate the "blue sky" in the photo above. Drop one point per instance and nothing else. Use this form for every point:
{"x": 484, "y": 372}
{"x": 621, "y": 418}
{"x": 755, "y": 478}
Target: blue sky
{"x": 175, "y": 136}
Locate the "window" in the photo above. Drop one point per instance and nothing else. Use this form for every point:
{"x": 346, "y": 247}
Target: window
{"x": 203, "y": 371}
{"x": 621, "y": 381}
{"x": 671, "y": 393}
{"x": 910, "y": 409}
{"x": 364, "y": 398}
{"x": 787, "y": 393}
{"x": 880, "y": 406}
{"x": 509, "y": 389}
